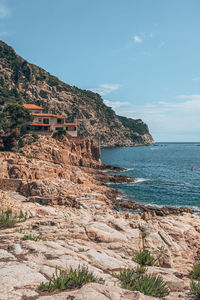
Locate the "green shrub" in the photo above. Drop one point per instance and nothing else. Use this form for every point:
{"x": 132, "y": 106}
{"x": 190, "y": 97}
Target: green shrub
{"x": 61, "y": 130}
{"x": 125, "y": 276}
{"x": 62, "y": 280}
{"x": 195, "y": 272}
{"x": 195, "y": 287}
{"x": 35, "y": 136}
{"x": 52, "y": 80}
{"x": 20, "y": 142}
{"x": 137, "y": 280}
{"x": 134, "y": 125}
{"x": 32, "y": 237}
{"x": 19, "y": 115}
{"x": 144, "y": 258}
{"x": 8, "y": 219}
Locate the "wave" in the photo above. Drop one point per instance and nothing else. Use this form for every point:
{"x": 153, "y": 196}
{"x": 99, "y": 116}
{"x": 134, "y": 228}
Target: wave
{"x": 128, "y": 169}
{"x": 138, "y": 180}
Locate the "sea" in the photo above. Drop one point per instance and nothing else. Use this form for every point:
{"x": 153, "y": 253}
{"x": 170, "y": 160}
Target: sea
{"x": 165, "y": 173}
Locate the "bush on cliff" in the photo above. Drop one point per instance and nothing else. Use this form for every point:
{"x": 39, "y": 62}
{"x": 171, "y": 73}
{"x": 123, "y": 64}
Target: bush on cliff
{"x": 10, "y": 140}
{"x": 18, "y": 114}
{"x": 144, "y": 258}
{"x": 137, "y": 280}
{"x": 63, "y": 280}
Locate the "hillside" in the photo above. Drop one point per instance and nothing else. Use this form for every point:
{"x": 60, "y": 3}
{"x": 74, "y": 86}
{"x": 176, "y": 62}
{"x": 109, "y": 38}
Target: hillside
{"x": 23, "y": 82}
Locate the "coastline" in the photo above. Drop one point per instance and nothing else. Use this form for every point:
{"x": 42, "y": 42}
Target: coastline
{"x": 163, "y": 177}
{"x": 78, "y": 221}
{"x": 131, "y": 206}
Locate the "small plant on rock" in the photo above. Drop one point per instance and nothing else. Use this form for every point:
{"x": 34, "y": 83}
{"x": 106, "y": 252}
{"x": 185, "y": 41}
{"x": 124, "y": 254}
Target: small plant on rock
{"x": 137, "y": 280}
{"x": 8, "y": 219}
{"x": 62, "y": 280}
{"x": 195, "y": 272}
{"x": 35, "y": 136}
{"x": 195, "y": 288}
{"x": 144, "y": 258}
{"x": 32, "y": 237}
{"x": 83, "y": 250}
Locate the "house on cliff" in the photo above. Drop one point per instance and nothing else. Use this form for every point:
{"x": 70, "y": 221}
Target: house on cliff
{"x": 47, "y": 124}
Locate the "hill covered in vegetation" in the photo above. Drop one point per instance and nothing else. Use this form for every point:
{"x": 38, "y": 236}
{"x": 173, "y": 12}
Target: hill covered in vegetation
{"x": 22, "y": 82}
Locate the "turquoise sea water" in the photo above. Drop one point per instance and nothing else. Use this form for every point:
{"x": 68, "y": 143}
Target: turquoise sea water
{"x": 163, "y": 173}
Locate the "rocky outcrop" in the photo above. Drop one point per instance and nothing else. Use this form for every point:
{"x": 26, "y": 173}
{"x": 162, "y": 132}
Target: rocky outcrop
{"x": 23, "y": 82}
{"x": 99, "y": 238}
{"x": 149, "y": 211}
{"x": 58, "y": 171}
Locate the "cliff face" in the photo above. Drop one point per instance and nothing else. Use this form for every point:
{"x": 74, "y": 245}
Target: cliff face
{"x": 26, "y": 83}
{"x": 53, "y": 171}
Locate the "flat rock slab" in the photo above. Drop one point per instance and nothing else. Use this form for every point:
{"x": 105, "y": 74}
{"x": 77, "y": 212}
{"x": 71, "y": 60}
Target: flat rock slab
{"x": 19, "y": 275}
{"x": 94, "y": 291}
{"x": 171, "y": 276}
{"x": 100, "y": 232}
{"x": 103, "y": 261}
{"x": 5, "y": 255}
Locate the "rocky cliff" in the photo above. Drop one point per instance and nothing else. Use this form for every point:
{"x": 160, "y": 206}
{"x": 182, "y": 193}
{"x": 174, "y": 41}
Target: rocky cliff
{"x": 26, "y": 83}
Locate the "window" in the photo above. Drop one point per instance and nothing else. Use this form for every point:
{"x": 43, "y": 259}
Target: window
{"x": 46, "y": 121}
{"x": 71, "y": 128}
{"x": 59, "y": 121}
{"x": 40, "y": 120}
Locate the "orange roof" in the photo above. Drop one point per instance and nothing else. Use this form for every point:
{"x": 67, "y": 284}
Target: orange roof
{"x": 32, "y": 106}
{"x": 39, "y": 124}
{"x": 49, "y": 115}
{"x": 59, "y": 116}
{"x": 72, "y": 124}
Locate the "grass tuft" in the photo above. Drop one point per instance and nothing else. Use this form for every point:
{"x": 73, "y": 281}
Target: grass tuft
{"x": 144, "y": 258}
{"x": 32, "y": 237}
{"x": 195, "y": 272}
{"x": 63, "y": 280}
{"x": 8, "y": 219}
{"x": 137, "y": 280}
{"x": 195, "y": 288}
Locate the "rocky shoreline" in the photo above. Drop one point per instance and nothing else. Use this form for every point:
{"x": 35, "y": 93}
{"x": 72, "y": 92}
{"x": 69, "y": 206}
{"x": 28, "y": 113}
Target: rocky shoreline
{"x": 131, "y": 206}
{"x": 80, "y": 222}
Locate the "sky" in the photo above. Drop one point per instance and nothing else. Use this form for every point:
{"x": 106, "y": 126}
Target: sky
{"x": 141, "y": 56}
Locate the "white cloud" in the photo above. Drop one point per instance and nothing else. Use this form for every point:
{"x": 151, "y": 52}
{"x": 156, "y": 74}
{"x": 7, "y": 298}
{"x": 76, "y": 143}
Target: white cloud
{"x": 4, "y": 10}
{"x": 196, "y": 79}
{"x": 116, "y": 104}
{"x": 142, "y": 36}
{"x": 106, "y": 88}
{"x": 137, "y": 39}
{"x": 167, "y": 120}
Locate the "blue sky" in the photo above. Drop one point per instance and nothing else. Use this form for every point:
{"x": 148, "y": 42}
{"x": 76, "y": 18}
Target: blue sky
{"x": 142, "y": 56}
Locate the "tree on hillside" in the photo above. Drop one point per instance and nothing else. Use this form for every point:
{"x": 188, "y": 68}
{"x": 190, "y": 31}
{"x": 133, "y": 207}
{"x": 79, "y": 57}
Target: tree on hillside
{"x": 18, "y": 114}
